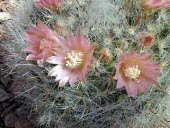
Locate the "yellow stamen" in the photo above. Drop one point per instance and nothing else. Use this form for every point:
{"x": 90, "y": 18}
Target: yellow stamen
{"x": 42, "y": 44}
{"x": 133, "y": 73}
{"x": 74, "y": 59}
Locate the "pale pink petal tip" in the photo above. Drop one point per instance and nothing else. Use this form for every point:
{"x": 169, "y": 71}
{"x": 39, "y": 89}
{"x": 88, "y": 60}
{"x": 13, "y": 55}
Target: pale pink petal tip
{"x": 63, "y": 82}
{"x": 40, "y": 62}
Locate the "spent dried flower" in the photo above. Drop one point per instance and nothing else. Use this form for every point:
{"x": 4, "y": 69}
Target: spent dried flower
{"x": 145, "y": 39}
{"x": 105, "y": 54}
{"x": 41, "y": 42}
{"x": 122, "y": 43}
{"x": 72, "y": 58}
{"x": 135, "y": 71}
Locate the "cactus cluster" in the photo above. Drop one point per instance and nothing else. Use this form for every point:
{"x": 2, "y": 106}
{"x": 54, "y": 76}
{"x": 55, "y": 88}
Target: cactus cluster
{"x": 93, "y": 63}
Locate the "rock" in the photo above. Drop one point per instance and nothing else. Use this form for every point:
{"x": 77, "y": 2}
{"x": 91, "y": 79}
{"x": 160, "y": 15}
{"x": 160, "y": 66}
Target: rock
{"x": 1, "y": 85}
{"x": 4, "y": 95}
{"x": 4, "y": 16}
{"x": 23, "y": 123}
{"x": 7, "y": 5}
{"x": 6, "y": 80}
{"x": 6, "y": 111}
{"x": 1, "y": 109}
{"x": 16, "y": 87}
{"x": 22, "y": 112}
{"x": 10, "y": 120}
{"x": 1, "y": 124}
{"x": 5, "y": 104}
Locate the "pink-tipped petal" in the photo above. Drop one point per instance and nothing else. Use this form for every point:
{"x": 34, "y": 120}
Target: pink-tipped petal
{"x": 120, "y": 83}
{"x": 82, "y": 76}
{"x": 40, "y": 62}
{"x": 31, "y": 57}
{"x": 149, "y": 79}
{"x": 63, "y": 81}
{"x": 143, "y": 86}
{"x": 62, "y": 74}
{"x": 72, "y": 78}
{"x": 55, "y": 60}
{"x": 54, "y": 71}
{"x": 71, "y": 39}
{"x": 62, "y": 42}
{"x": 131, "y": 89}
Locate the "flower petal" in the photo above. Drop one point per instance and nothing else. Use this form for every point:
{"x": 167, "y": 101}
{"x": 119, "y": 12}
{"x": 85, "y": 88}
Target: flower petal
{"x": 62, "y": 42}
{"x": 120, "y": 83}
{"x": 79, "y": 37}
{"x": 55, "y": 60}
{"x": 40, "y": 62}
{"x": 131, "y": 89}
{"x": 149, "y": 79}
{"x": 143, "y": 86}
{"x": 72, "y": 78}
{"x": 63, "y": 81}
{"x": 55, "y": 71}
{"x": 62, "y": 74}
{"x": 31, "y": 57}
{"x": 82, "y": 75}
{"x": 72, "y": 41}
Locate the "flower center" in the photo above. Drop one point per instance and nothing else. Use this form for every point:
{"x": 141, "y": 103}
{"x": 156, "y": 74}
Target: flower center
{"x": 46, "y": 46}
{"x": 133, "y": 73}
{"x": 74, "y": 59}
{"x": 42, "y": 44}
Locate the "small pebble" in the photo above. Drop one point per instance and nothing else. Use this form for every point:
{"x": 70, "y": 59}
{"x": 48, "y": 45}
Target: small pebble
{"x": 4, "y": 95}
{"x": 10, "y": 120}
{"x": 23, "y": 123}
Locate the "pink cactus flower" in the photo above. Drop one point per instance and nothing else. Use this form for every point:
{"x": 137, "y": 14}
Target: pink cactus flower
{"x": 41, "y": 42}
{"x": 72, "y": 58}
{"x": 51, "y": 4}
{"x": 155, "y": 4}
{"x": 135, "y": 71}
